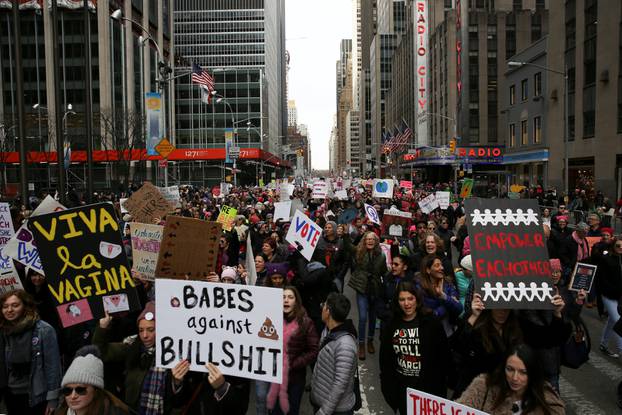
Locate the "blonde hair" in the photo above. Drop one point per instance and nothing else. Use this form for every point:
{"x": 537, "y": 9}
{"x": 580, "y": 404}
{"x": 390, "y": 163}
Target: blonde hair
{"x": 361, "y": 248}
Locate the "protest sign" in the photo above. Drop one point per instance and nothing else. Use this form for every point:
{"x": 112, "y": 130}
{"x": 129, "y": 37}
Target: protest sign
{"x": 237, "y": 327}
{"x": 285, "y": 191}
{"x": 249, "y": 264}
{"x": 227, "y": 217}
{"x": 386, "y": 250}
{"x": 297, "y": 205}
{"x": 406, "y": 184}
{"x": 122, "y": 205}
{"x": 508, "y": 249}
{"x": 347, "y": 216}
{"x": 9, "y": 279}
{"x": 21, "y": 246}
{"x": 467, "y": 188}
{"x": 282, "y": 211}
{"x": 383, "y": 188}
{"x": 148, "y": 203}
{"x": 341, "y": 194}
{"x": 396, "y": 223}
{"x": 443, "y": 199}
{"x": 320, "y": 190}
{"x": 372, "y": 214}
{"x": 582, "y": 277}
{"x": 189, "y": 248}
{"x": 428, "y": 204}
{"x": 421, "y": 403}
{"x": 304, "y": 234}
{"x": 84, "y": 260}
{"x": 171, "y": 194}
{"x": 146, "y": 241}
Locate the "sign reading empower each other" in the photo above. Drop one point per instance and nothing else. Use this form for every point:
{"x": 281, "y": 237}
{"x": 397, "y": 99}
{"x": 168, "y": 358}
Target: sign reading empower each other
{"x": 238, "y": 328}
{"x": 85, "y": 263}
{"x": 510, "y": 258}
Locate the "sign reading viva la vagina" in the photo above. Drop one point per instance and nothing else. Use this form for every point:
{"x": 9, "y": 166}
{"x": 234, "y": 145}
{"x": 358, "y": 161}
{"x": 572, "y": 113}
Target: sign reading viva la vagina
{"x": 85, "y": 263}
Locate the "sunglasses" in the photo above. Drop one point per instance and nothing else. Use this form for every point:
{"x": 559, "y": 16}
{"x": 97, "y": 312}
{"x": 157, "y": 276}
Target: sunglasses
{"x": 80, "y": 390}
{"x": 618, "y": 246}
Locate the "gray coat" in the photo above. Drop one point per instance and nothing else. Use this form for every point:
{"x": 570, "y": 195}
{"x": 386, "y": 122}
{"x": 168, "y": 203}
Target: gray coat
{"x": 332, "y": 386}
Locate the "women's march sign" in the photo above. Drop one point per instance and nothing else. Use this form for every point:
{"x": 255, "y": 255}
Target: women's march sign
{"x": 85, "y": 263}
{"x": 508, "y": 248}
{"x": 421, "y": 403}
{"x": 304, "y": 234}
{"x": 238, "y": 328}
{"x": 145, "y": 248}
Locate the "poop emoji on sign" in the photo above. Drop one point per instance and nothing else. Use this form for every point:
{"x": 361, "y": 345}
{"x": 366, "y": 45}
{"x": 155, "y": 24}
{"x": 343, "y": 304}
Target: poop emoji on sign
{"x": 267, "y": 330}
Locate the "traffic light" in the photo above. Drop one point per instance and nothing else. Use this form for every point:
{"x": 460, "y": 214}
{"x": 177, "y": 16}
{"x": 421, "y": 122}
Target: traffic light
{"x": 452, "y": 146}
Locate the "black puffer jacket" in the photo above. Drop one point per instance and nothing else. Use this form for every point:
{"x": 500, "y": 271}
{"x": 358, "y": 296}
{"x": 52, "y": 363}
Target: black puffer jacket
{"x": 610, "y": 276}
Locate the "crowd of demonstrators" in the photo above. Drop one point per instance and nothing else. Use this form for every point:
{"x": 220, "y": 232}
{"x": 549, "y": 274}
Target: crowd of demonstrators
{"x": 432, "y": 323}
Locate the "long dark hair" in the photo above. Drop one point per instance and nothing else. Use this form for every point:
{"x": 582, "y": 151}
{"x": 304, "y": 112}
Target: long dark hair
{"x": 426, "y": 279}
{"x": 491, "y": 340}
{"x": 299, "y": 311}
{"x": 536, "y": 384}
{"x": 30, "y": 308}
{"x": 410, "y": 287}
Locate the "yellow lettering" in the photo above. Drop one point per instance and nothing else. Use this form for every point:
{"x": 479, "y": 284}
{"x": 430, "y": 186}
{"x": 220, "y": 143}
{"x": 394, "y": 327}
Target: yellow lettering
{"x": 48, "y": 235}
{"x": 98, "y": 289}
{"x": 84, "y": 291}
{"x": 88, "y": 261}
{"x": 112, "y": 282}
{"x": 70, "y": 291}
{"x": 107, "y": 219}
{"x": 57, "y": 294}
{"x": 90, "y": 223}
{"x": 68, "y": 217}
{"x": 126, "y": 278}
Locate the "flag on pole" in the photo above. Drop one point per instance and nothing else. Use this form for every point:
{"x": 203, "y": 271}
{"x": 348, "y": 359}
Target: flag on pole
{"x": 205, "y": 80}
{"x": 407, "y": 133}
{"x": 206, "y": 97}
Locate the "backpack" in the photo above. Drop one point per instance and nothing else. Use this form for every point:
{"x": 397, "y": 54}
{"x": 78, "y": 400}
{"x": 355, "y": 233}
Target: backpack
{"x": 576, "y": 350}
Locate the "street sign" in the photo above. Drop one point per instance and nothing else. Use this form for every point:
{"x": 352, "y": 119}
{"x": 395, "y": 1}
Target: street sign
{"x": 234, "y": 152}
{"x": 162, "y": 163}
{"x": 164, "y": 148}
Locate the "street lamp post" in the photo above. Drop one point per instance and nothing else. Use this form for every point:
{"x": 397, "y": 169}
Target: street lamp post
{"x": 234, "y": 123}
{"x": 564, "y": 73}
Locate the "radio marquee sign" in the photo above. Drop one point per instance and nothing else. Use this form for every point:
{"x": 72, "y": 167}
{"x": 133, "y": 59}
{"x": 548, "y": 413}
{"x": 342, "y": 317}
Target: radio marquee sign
{"x": 421, "y": 67}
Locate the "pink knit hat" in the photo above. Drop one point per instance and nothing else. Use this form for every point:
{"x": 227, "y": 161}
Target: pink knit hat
{"x": 555, "y": 264}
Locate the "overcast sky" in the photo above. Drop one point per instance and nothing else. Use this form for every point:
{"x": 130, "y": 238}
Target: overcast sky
{"x": 314, "y": 31}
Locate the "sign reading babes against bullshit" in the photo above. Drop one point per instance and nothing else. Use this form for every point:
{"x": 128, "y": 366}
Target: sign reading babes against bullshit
{"x": 238, "y": 328}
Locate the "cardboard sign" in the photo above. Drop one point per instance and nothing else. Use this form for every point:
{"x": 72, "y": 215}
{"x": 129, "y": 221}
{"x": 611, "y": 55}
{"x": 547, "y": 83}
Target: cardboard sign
{"x": 21, "y": 246}
{"x": 227, "y": 217}
{"x": 341, "y": 194}
{"x": 443, "y": 199}
{"x": 582, "y": 277}
{"x": 396, "y": 223}
{"x": 406, "y": 184}
{"x": 9, "y": 279}
{"x": 372, "y": 214}
{"x": 146, "y": 241}
{"x": 304, "y": 234}
{"x": 508, "y": 249}
{"x": 171, "y": 194}
{"x": 282, "y": 211}
{"x": 239, "y": 328}
{"x": 320, "y": 190}
{"x": 189, "y": 249}
{"x": 148, "y": 203}
{"x": 428, "y": 204}
{"x": 421, "y": 403}
{"x": 467, "y": 188}
{"x": 383, "y": 188}
{"x": 84, "y": 260}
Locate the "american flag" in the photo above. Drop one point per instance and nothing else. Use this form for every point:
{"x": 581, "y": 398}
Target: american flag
{"x": 202, "y": 77}
{"x": 395, "y": 140}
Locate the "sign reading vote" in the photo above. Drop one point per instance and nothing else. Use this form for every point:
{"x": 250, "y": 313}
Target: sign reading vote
{"x": 304, "y": 234}
{"x": 84, "y": 261}
{"x": 510, "y": 260}
{"x": 238, "y": 328}
{"x": 421, "y": 403}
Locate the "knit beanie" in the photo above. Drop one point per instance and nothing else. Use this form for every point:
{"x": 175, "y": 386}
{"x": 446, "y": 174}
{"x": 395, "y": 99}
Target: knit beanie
{"x": 148, "y": 313}
{"x": 85, "y": 370}
{"x": 555, "y": 264}
{"x": 332, "y": 222}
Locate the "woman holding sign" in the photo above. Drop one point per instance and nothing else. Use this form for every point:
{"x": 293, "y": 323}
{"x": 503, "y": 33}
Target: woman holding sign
{"x": 414, "y": 352}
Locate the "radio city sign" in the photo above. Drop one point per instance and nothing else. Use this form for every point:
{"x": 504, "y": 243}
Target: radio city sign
{"x": 464, "y": 154}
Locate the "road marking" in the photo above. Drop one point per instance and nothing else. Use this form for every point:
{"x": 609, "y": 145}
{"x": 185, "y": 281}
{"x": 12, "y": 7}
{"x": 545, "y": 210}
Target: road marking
{"x": 364, "y": 405}
{"x": 575, "y": 399}
{"x": 606, "y": 366}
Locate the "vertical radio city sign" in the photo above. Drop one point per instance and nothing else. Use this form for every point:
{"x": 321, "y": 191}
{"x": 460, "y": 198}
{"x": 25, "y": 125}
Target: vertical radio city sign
{"x": 421, "y": 67}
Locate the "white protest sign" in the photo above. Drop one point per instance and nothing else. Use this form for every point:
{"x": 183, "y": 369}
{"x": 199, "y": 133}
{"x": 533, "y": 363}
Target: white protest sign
{"x": 297, "y": 205}
{"x": 251, "y": 270}
{"x": 286, "y": 191}
{"x": 171, "y": 194}
{"x": 341, "y": 194}
{"x": 383, "y": 188}
{"x": 282, "y": 211}
{"x": 421, "y": 403}
{"x": 443, "y": 199}
{"x": 21, "y": 247}
{"x": 304, "y": 233}
{"x": 146, "y": 240}
{"x": 320, "y": 190}
{"x": 428, "y": 204}
{"x": 9, "y": 279}
{"x": 239, "y": 328}
{"x": 372, "y": 214}
{"x": 121, "y": 203}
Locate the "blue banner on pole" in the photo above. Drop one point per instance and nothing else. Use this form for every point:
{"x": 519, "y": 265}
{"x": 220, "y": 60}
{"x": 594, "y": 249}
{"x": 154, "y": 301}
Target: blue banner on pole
{"x": 153, "y": 106}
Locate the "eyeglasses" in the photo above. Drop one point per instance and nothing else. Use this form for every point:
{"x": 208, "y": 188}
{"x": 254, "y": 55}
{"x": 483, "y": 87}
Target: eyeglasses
{"x": 618, "y": 246}
{"x": 80, "y": 390}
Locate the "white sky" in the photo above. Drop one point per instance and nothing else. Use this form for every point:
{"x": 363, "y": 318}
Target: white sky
{"x": 322, "y": 24}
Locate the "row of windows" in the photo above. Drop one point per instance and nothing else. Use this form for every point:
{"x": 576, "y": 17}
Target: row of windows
{"x": 524, "y": 88}
{"x": 524, "y": 133}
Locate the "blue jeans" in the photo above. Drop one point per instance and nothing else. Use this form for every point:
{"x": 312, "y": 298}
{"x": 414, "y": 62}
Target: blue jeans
{"x": 294, "y": 395}
{"x": 261, "y": 394}
{"x": 367, "y": 317}
{"x": 612, "y": 308}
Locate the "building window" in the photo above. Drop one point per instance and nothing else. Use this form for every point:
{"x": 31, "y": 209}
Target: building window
{"x": 512, "y": 135}
{"x": 589, "y": 111}
{"x": 524, "y": 92}
{"x": 512, "y": 94}
{"x": 537, "y": 84}
{"x": 537, "y": 130}
{"x": 524, "y": 135}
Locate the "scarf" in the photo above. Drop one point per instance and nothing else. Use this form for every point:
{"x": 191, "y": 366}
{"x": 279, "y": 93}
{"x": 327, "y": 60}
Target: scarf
{"x": 583, "y": 250}
{"x": 152, "y": 393}
{"x": 276, "y": 390}
{"x": 16, "y": 341}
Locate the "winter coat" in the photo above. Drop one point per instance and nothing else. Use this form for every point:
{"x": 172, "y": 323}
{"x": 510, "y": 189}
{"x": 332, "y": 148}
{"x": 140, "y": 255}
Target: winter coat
{"x": 445, "y": 235}
{"x": 366, "y": 274}
{"x": 197, "y": 397}
{"x": 302, "y": 350}
{"x": 478, "y": 396}
{"x": 332, "y": 384}
{"x": 610, "y": 276}
{"x": 447, "y": 310}
{"x": 383, "y": 303}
